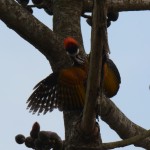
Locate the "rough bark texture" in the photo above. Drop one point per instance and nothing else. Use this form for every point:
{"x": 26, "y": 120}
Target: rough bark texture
{"x": 121, "y": 5}
{"x": 25, "y": 24}
{"x": 66, "y": 20}
{"x": 120, "y": 123}
{"x": 67, "y": 23}
{"x": 98, "y": 40}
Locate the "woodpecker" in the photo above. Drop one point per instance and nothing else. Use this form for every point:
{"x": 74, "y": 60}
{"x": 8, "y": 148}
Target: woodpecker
{"x": 66, "y": 88}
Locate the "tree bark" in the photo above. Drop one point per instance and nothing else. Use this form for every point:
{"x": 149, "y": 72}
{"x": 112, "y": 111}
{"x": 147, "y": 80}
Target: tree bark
{"x": 120, "y": 5}
{"x": 98, "y": 40}
{"x": 35, "y": 32}
{"x": 50, "y": 44}
{"x": 66, "y": 22}
{"x": 117, "y": 121}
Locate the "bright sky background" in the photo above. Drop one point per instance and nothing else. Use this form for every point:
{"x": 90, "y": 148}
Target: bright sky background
{"x": 22, "y": 67}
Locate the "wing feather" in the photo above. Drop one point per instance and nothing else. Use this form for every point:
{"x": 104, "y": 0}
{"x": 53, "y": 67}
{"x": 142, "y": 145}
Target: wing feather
{"x": 43, "y": 99}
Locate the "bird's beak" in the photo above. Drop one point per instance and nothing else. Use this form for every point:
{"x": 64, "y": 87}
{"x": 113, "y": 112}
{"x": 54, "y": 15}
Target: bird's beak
{"x": 80, "y": 60}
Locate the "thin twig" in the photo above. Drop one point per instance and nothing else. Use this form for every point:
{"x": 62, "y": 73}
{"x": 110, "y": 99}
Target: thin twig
{"x": 126, "y": 142}
{"x": 122, "y": 143}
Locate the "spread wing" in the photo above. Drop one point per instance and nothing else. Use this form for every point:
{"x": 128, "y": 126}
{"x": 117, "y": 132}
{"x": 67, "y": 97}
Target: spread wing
{"x": 64, "y": 90}
{"x": 44, "y": 98}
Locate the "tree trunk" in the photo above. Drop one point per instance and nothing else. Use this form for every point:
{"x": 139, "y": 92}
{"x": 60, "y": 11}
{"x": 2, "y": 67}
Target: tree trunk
{"x": 66, "y": 21}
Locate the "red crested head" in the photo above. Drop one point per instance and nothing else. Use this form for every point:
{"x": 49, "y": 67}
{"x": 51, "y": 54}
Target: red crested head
{"x": 70, "y": 41}
{"x": 72, "y": 49}
{"x": 71, "y": 46}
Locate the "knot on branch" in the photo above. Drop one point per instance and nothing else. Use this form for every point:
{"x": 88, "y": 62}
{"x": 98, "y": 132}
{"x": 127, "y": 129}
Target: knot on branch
{"x": 37, "y": 140}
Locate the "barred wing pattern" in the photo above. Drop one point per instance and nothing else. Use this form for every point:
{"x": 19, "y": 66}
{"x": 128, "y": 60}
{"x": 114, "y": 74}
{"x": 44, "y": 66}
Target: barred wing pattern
{"x": 44, "y": 98}
{"x": 64, "y": 90}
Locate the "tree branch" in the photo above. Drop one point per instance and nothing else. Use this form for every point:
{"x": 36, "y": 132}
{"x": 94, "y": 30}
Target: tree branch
{"x": 33, "y": 31}
{"x": 94, "y": 75}
{"x": 118, "y": 144}
{"x": 49, "y": 44}
{"x": 66, "y": 19}
{"x": 120, "y": 5}
{"x": 126, "y": 142}
{"x": 124, "y": 127}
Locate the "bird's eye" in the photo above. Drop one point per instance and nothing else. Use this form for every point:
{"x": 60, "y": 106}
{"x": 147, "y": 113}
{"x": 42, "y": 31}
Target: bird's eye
{"x": 73, "y": 51}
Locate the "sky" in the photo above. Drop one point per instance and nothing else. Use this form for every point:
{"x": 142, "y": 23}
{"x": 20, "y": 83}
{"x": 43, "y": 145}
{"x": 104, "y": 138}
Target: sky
{"x": 23, "y": 66}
